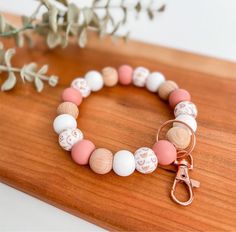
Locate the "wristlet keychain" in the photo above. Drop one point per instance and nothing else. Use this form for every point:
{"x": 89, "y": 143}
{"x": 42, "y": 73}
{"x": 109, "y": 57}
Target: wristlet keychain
{"x": 175, "y": 148}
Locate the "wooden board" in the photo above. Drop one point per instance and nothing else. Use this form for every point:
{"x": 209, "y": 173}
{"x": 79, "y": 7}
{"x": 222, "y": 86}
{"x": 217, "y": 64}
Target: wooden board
{"x": 123, "y": 118}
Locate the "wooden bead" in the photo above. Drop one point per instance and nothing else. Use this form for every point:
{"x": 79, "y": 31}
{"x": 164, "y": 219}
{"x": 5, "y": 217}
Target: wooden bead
{"x": 166, "y": 88}
{"x": 68, "y": 108}
{"x": 110, "y": 76}
{"x": 179, "y": 136}
{"x": 101, "y": 161}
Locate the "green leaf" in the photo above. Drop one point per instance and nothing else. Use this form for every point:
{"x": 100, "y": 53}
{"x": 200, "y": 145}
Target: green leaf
{"x": 150, "y": 14}
{"x": 8, "y": 55}
{"x": 88, "y": 15}
{"x": 138, "y": 7}
{"x": 72, "y": 13}
{"x": 53, "y": 12}
{"x": 28, "y": 72}
{"x": 38, "y": 84}
{"x": 19, "y": 38}
{"x": 95, "y": 22}
{"x": 2, "y": 24}
{"x": 64, "y": 39}
{"x": 43, "y": 70}
{"x": 45, "y": 17}
{"x": 53, "y": 39}
{"x": 9, "y": 83}
{"x": 83, "y": 38}
{"x": 162, "y": 8}
{"x": 116, "y": 28}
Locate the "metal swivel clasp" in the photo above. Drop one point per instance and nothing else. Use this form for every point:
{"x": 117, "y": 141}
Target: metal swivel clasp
{"x": 183, "y": 177}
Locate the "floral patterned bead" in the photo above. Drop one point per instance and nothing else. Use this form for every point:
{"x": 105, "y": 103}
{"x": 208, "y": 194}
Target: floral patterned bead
{"x": 69, "y": 137}
{"x": 81, "y": 85}
{"x": 145, "y": 160}
{"x": 186, "y": 107}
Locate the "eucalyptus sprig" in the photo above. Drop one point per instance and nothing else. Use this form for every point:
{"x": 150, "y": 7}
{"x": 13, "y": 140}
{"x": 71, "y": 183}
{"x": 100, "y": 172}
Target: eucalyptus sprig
{"x": 28, "y": 72}
{"x": 58, "y": 24}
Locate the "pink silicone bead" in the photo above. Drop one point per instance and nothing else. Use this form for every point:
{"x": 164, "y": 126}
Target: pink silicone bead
{"x": 178, "y": 96}
{"x": 165, "y": 152}
{"x": 72, "y": 95}
{"x": 81, "y": 151}
{"x": 125, "y": 73}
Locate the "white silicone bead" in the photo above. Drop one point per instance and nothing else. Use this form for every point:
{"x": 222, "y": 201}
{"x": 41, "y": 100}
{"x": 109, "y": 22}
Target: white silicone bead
{"x": 64, "y": 121}
{"x": 69, "y": 137}
{"x": 140, "y": 75}
{"x": 145, "y": 160}
{"x": 154, "y": 80}
{"x": 186, "y": 107}
{"x": 123, "y": 163}
{"x": 189, "y": 120}
{"x": 81, "y": 85}
{"x": 94, "y": 80}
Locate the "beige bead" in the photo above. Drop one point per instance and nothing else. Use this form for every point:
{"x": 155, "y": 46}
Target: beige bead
{"x": 68, "y": 108}
{"x": 110, "y": 76}
{"x": 179, "y": 136}
{"x": 166, "y": 88}
{"x": 101, "y": 161}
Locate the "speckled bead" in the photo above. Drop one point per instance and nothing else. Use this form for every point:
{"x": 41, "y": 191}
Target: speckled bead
{"x": 140, "y": 76}
{"x": 68, "y": 108}
{"x": 110, "y": 76}
{"x": 154, "y": 80}
{"x": 179, "y": 136}
{"x": 69, "y": 137}
{"x": 178, "y": 96}
{"x": 145, "y": 160}
{"x": 166, "y": 88}
{"x": 186, "y": 107}
{"x": 125, "y": 73}
{"x": 81, "y": 85}
{"x": 72, "y": 95}
{"x": 123, "y": 163}
{"x": 94, "y": 80}
{"x": 189, "y": 120}
{"x": 100, "y": 161}
{"x": 63, "y": 122}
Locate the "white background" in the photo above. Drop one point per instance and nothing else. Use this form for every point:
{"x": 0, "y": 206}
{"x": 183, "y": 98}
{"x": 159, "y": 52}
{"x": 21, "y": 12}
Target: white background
{"x": 202, "y": 26}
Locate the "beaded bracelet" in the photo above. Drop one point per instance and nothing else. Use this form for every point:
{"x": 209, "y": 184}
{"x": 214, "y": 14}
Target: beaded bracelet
{"x": 175, "y": 148}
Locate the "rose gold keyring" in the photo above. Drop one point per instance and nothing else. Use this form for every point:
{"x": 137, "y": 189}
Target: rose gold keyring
{"x": 181, "y": 153}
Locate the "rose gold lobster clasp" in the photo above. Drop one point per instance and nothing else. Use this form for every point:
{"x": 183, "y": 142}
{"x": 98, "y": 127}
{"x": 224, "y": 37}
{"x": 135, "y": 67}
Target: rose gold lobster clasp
{"x": 182, "y": 176}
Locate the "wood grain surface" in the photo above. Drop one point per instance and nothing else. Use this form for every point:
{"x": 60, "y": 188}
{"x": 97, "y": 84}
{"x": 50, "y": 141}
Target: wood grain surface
{"x": 123, "y": 118}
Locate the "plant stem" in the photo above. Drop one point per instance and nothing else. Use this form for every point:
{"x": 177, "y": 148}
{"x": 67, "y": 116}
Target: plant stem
{"x": 13, "y": 32}
{"x": 12, "y": 69}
